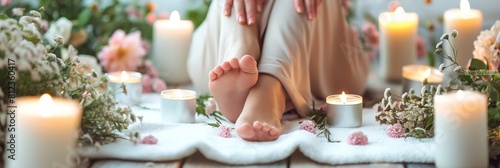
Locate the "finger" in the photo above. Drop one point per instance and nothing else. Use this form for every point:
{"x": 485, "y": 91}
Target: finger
{"x": 299, "y": 5}
{"x": 250, "y": 11}
{"x": 240, "y": 11}
{"x": 309, "y": 8}
{"x": 259, "y": 5}
{"x": 315, "y": 8}
{"x": 227, "y": 7}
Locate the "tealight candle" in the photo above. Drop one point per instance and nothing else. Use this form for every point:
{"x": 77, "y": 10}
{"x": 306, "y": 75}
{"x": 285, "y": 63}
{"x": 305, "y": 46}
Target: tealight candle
{"x": 344, "y": 110}
{"x": 460, "y": 127}
{"x": 468, "y": 23}
{"x": 46, "y": 130}
{"x": 414, "y": 76}
{"x": 133, "y": 85}
{"x": 178, "y": 106}
{"x": 398, "y": 38}
{"x": 171, "y": 42}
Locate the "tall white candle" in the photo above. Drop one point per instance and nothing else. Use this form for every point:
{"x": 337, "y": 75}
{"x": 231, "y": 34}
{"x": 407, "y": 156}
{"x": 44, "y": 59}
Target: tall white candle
{"x": 468, "y": 23}
{"x": 461, "y": 133}
{"x": 171, "y": 42}
{"x": 398, "y": 37}
{"x": 46, "y": 132}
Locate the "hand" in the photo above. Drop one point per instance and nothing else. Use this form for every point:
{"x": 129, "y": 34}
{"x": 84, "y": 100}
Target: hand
{"x": 246, "y": 10}
{"x": 311, "y": 7}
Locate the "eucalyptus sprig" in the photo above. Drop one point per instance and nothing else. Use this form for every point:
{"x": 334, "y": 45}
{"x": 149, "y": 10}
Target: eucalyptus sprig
{"x": 319, "y": 117}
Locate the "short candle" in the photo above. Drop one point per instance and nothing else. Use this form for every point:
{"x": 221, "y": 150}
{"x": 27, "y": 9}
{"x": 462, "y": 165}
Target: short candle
{"x": 133, "y": 85}
{"x": 414, "y": 76}
{"x": 46, "y": 131}
{"x": 178, "y": 106}
{"x": 344, "y": 110}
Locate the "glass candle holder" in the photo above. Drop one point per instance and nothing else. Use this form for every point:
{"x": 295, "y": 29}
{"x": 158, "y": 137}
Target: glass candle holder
{"x": 414, "y": 76}
{"x": 344, "y": 110}
{"x": 133, "y": 85}
{"x": 178, "y": 106}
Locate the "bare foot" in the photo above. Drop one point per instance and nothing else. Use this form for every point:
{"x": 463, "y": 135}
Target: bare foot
{"x": 265, "y": 104}
{"x": 230, "y": 83}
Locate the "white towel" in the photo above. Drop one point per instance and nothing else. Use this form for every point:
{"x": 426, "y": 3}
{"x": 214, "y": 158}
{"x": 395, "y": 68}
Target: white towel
{"x": 176, "y": 141}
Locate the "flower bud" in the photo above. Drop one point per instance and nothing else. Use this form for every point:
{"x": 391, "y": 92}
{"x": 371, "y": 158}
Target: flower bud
{"x": 441, "y": 67}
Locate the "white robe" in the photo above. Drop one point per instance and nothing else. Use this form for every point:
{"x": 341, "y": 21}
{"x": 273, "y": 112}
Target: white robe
{"x": 312, "y": 59}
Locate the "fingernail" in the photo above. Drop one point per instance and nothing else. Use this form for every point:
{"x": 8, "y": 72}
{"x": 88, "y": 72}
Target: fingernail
{"x": 310, "y": 16}
{"x": 259, "y": 8}
{"x": 251, "y": 21}
{"x": 241, "y": 19}
{"x": 299, "y": 9}
{"x": 226, "y": 12}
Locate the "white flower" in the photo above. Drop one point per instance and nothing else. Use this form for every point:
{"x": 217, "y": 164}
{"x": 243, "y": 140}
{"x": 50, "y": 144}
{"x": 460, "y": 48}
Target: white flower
{"x": 35, "y": 13}
{"x": 62, "y": 27}
{"x": 441, "y": 67}
{"x": 17, "y": 11}
{"x": 87, "y": 64}
{"x": 35, "y": 76}
{"x": 457, "y": 69}
{"x": 387, "y": 92}
{"x": 438, "y": 90}
{"x": 445, "y": 36}
{"x": 439, "y": 45}
{"x": 211, "y": 107}
{"x": 422, "y": 91}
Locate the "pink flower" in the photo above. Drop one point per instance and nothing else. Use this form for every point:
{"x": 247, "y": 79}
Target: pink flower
{"x": 132, "y": 11}
{"x": 395, "y": 131}
{"x": 150, "y": 18}
{"x": 357, "y": 138}
{"x": 393, "y": 5}
{"x": 158, "y": 85}
{"x": 421, "y": 51}
{"x": 308, "y": 126}
{"x": 123, "y": 53}
{"x": 224, "y": 131}
{"x": 146, "y": 45}
{"x": 324, "y": 107}
{"x": 6, "y": 2}
{"x": 370, "y": 31}
{"x": 146, "y": 84}
{"x": 150, "y": 69}
{"x": 150, "y": 140}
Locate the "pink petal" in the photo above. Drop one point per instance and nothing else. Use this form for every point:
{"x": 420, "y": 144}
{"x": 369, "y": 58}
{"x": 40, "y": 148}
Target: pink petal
{"x": 150, "y": 140}
{"x": 117, "y": 37}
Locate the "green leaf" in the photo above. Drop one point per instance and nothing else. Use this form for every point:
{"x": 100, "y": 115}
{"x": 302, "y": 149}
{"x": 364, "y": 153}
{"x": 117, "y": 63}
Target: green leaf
{"x": 431, "y": 58}
{"x": 476, "y": 64}
{"x": 84, "y": 17}
{"x": 3, "y": 16}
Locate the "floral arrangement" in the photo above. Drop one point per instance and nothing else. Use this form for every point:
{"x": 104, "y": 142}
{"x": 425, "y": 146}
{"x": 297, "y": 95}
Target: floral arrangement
{"x": 413, "y": 115}
{"x": 38, "y": 70}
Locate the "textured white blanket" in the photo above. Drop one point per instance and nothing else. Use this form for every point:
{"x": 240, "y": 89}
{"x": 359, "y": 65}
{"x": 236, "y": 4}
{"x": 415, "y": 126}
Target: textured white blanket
{"x": 176, "y": 141}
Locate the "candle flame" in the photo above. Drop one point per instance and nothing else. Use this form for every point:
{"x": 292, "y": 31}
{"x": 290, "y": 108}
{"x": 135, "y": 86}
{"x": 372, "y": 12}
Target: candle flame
{"x": 124, "y": 76}
{"x": 175, "y": 16}
{"x": 460, "y": 95}
{"x": 427, "y": 73}
{"x": 465, "y": 6}
{"x": 46, "y": 104}
{"x": 399, "y": 11}
{"x": 343, "y": 98}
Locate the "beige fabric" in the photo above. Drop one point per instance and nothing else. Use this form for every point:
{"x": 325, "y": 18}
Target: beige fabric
{"x": 312, "y": 59}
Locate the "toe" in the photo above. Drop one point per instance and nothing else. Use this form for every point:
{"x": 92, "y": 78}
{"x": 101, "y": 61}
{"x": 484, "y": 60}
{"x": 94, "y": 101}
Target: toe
{"x": 248, "y": 64}
{"x": 218, "y": 70}
{"x": 225, "y": 66}
{"x": 212, "y": 75}
{"x": 273, "y": 132}
{"x": 234, "y": 63}
{"x": 257, "y": 125}
{"x": 245, "y": 131}
{"x": 266, "y": 127}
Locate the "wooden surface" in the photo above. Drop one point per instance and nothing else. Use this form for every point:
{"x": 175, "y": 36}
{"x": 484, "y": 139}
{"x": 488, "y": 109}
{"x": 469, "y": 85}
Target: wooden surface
{"x": 197, "y": 160}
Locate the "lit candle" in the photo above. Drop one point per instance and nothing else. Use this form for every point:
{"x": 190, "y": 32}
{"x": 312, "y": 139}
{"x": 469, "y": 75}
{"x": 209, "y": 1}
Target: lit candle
{"x": 414, "y": 76}
{"x": 398, "y": 37}
{"x": 178, "y": 106}
{"x": 460, "y": 126}
{"x": 468, "y": 23}
{"x": 133, "y": 85}
{"x": 46, "y": 130}
{"x": 171, "y": 41}
{"x": 344, "y": 110}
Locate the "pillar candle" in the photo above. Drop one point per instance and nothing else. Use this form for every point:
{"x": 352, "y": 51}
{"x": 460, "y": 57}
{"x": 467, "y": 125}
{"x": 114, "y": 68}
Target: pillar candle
{"x": 171, "y": 42}
{"x": 398, "y": 37}
{"x": 461, "y": 132}
{"x": 46, "y": 132}
{"x": 468, "y": 23}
